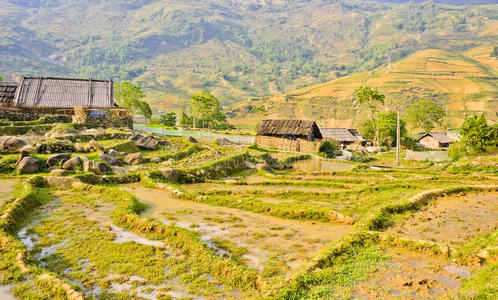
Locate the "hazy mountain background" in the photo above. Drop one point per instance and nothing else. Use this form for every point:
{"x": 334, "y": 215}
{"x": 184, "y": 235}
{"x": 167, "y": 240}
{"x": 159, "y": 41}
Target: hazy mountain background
{"x": 247, "y": 49}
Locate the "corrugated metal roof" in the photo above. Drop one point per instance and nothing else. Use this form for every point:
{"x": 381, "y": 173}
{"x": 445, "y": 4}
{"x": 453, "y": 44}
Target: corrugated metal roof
{"x": 289, "y": 127}
{"x": 7, "y": 92}
{"x": 440, "y": 136}
{"x": 64, "y": 93}
{"x": 341, "y": 134}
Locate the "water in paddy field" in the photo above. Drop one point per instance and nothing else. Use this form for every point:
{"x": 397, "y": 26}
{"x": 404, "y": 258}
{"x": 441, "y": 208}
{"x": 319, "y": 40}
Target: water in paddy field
{"x": 320, "y": 165}
{"x": 6, "y": 189}
{"x": 296, "y": 239}
{"x": 5, "y": 293}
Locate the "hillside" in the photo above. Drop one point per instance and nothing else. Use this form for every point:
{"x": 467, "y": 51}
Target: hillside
{"x": 465, "y": 82}
{"x": 236, "y": 49}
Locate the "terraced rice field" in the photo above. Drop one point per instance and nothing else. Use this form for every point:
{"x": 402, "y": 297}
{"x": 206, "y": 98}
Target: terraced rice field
{"x": 308, "y": 232}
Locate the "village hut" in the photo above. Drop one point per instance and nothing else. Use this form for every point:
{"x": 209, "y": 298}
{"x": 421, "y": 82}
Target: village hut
{"x": 343, "y": 136}
{"x": 434, "y": 140}
{"x": 294, "y": 135}
{"x": 7, "y": 93}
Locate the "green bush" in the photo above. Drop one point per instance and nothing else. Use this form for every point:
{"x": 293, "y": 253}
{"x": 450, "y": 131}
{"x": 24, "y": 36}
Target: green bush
{"x": 328, "y": 148}
{"x": 457, "y": 151}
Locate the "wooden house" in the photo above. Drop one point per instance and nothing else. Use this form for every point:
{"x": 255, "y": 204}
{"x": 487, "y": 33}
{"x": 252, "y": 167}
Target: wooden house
{"x": 434, "y": 140}
{"x": 294, "y": 135}
{"x": 343, "y": 136}
{"x": 7, "y": 93}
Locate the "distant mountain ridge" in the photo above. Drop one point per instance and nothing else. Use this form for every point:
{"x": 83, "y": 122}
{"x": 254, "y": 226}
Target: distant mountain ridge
{"x": 236, "y": 49}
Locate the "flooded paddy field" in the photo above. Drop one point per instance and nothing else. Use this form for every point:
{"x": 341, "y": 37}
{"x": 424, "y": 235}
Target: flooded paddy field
{"x": 268, "y": 240}
{"x": 6, "y": 189}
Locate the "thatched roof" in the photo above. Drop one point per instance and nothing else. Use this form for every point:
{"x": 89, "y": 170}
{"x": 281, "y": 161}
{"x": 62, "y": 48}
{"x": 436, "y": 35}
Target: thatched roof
{"x": 439, "y": 136}
{"x": 283, "y": 128}
{"x": 7, "y": 92}
{"x": 341, "y": 134}
{"x": 64, "y": 93}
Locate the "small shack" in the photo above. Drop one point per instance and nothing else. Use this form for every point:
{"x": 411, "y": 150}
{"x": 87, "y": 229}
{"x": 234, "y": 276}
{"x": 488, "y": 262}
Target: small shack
{"x": 343, "y": 136}
{"x": 7, "y": 93}
{"x": 434, "y": 140}
{"x": 293, "y": 135}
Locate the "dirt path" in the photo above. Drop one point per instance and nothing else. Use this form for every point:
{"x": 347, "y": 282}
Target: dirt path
{"x": 291, "y": 241}
{"x": 454, "y": 219}
{"x": 410, "y": 275}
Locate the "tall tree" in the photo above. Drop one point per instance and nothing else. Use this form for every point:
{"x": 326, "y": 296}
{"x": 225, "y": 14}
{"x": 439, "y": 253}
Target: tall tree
{"x": 477, "y": 134}
{"x": 425, "y": 114}
{"x": 206, "y": 110}
{"x": 387, "y": 127}
{"x": 131, "y": 96}
{"x": 370, "y": 98}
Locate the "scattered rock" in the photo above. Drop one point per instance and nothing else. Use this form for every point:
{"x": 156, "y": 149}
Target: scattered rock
{"x": 55, "y": 147}
{"x": 58, "y": 181}
{"x": 171, "y": 175}
{"x": 21, "y": 156}
{"x": 192, "y": 140}
{"x": 112, "y": 161}
{"x": 264, "y": 167}
{"x": 224, "y": 142}
{"x": 59, "y": 172}
{"x": 148, "y": 142}
{"x": 93, "y": 146}
{"x": 155, "y": 160}
{"x": 134, "y": 158}
{"x": 72, "y": 164}
{"x": 114, "y": 153}
{"x": 96, "y": 167}
{"x": 57, "y": 159}
{"x": 28, "y": 165}
{"x": 28, "y": 148}
{"x": 79, "y": 148}
{"x": 250, "y": 165}
{"x": 11, "y": 143}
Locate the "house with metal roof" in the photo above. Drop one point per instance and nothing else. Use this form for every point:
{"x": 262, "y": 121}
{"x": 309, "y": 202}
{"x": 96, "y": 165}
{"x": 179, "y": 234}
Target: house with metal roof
{"x": 294, "y": 135}
{"x": 343, "y": 136}
{"x": 64, "y": 93}
{"x": 435, "y": 140}
{"x": 7, "y": 93}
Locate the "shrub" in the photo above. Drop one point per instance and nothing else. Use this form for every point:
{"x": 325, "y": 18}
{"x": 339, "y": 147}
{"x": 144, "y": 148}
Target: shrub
{"x": 456, "y": 151}
{"x": 328, "y": 148}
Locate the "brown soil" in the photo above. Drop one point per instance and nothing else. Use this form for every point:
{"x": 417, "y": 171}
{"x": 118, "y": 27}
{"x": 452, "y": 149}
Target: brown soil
{"x": 453, "y": 219}
{"x": 410, "y": 275}
{"x": 291, "y": 241}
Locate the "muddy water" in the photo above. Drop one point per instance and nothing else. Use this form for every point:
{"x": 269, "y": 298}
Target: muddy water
{"x": 410, "y": 275}
{"x": 6, "y": 189}
{"x": 453, "y": 219}
{"x": 320, "y": 165}
{"x": 294, "y": 241}
{"x": 5, "y": 293}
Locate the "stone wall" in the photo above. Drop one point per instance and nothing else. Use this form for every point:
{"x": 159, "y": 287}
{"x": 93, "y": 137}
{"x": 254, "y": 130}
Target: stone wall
{"x": 287, "y": 144}
{"x": 47, "y": 119}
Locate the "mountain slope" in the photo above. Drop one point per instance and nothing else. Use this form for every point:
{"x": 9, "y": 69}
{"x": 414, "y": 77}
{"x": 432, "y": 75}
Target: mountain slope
{"x": 235, "y": 49}
{"x": 462, "y": 83}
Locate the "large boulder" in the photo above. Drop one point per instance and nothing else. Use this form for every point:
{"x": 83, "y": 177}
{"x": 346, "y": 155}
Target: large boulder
{"x": 224, "y": 142}
{"x": 114, "y": 153}
{"x": 148, "y": 142}
{"x": 11, "y": 143}
{"x": 112, "y": 161}
{"x": 57, "y": 159}
{"x": 79, "y": 148}
{"x": 73, "y": 163}
{"x": 134, "y": 158}
{"x": 171, "y": 175}
{"x": 28, "y": 165}
{"x": 93, "y": 146}
{"x": 96, "y": 167}
{"x": 58, "y": 172}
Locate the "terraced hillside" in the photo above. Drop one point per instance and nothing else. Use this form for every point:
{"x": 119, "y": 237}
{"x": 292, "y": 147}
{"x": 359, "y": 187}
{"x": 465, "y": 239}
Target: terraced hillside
{"x": 462, "y": 82}
{"x": 235, "y": 49}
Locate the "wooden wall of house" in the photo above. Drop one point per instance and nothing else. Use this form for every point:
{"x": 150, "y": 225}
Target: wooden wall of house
{"x": 430, "y": 142}
{"x": 301, "y": 145}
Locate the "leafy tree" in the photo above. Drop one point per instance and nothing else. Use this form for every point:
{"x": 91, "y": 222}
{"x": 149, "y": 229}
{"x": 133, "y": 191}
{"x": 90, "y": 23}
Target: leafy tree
{"x": 387, "y": 125}
{"x": 477, "y": 134}
{"x": 328, "y": 149}
{"x": 1, "y": 78}
{"x": 425, "y": 114}
{"x": 131, "y": 96}
{"x": 495, "y": 51}
{"x": 168, "y": 119}
{"x": 370, "y": 98}
{"x": 206, "y": 110}
{"x": 367, "y": 130}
